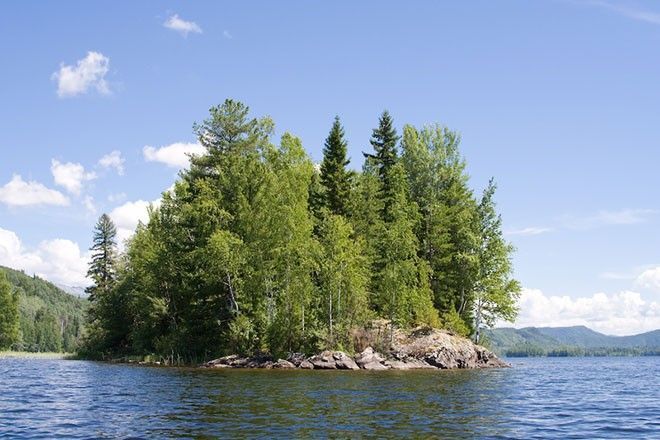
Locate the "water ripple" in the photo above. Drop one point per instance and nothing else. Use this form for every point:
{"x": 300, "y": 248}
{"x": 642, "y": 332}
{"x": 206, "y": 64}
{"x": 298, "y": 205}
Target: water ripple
{"x": 538, "y": 398}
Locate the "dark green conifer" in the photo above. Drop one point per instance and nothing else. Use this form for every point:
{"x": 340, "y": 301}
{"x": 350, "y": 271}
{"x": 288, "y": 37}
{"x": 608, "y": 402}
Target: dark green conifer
{"x": 335, "y": 178}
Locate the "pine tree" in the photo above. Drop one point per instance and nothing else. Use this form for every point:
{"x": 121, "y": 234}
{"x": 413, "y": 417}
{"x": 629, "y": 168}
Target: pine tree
{"x": 383, "y": 140}
{"x": 496, "y": 292}
{"x": 8, "y": 314}
{"x": 102, "y": 267}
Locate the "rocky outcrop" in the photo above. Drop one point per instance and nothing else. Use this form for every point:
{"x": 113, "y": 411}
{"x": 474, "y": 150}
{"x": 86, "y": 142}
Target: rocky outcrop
{"x": 421, "y": 348}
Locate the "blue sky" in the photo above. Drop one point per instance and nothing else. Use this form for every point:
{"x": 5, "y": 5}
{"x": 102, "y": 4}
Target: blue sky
{"x": 558, "y": 100}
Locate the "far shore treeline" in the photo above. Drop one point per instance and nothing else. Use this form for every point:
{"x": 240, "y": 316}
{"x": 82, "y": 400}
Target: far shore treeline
{"x": 257, "y": 249}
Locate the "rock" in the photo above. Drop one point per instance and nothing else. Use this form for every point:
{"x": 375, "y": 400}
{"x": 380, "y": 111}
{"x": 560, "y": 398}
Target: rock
{"x": 344, "y": 361}
{"x": 370, "y": 360}
{"x": 421, "y": 348}
{"x": 376, "y": 366}
{"x": 283, "y": 364}
{"x": 333, "y": 360}
{"x": 323, "y": 361}
{"x": 296, "y": 358}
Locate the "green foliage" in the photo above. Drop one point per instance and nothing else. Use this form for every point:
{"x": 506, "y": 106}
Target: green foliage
{"x": 335, "y": 178}
{"x": 255, "y": 250}
{"x": 49, "y": 319}
{"x": 8, "y": 314}
{"x": 451, "y": 320}
{"x": 496, "y": 292}
{"x": 343, "y": 275}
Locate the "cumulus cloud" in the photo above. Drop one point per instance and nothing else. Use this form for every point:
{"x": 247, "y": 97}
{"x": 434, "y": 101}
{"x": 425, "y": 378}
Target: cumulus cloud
{"x": 18, "y": 192}
{"x": 113, "y": 160}
{"x": 649, "y": 279}
{"x": 622, "y": 313}
{"x": 176, "y": 155}
{"x": 70, "y": 175}
{"x": 58, "y": 260}
{"x": 532, "y": 230}
{"x": 182, "y": 26}
{"x": 88, "y": 73}
{"x": 127, "y": 216}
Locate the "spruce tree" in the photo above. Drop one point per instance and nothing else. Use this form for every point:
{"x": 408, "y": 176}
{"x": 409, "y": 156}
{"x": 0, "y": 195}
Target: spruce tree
{"x": 383, "y": 140}
{"x": 336, "y": 179}
{"x": 8, "y": 314}
{"x": 102, "y": 267}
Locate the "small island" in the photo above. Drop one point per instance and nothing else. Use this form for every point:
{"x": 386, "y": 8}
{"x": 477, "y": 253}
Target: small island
{"x": 257, "y": 255}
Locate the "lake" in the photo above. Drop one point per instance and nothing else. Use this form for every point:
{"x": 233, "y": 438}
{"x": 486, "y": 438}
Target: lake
{"x": 537, "y": 398}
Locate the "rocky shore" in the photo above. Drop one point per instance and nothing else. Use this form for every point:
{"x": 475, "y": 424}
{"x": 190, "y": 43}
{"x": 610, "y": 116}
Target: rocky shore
{"x": 421, "y": 348}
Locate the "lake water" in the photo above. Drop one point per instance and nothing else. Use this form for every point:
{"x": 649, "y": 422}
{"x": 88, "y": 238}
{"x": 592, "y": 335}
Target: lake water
{"x": 537, "y": 398}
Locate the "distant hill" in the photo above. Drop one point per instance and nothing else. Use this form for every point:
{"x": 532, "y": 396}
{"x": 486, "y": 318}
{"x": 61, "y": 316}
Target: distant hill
{"x": 568, "y": 341}
{"x": 50, "y": 319}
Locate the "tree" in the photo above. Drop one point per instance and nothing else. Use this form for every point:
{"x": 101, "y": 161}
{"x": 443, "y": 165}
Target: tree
{"x": 383, "y": 140}
{"x": 107, "y": 314}
{"x": 401, "y": 278}
{"x": 343, "y": 276}
{"x": 496, "y": 292}
{"x": 102, "y": 267}
{"x": 335, "y": 178}
{"x": 447, "y": 231}
{"x": 8, "y": 314}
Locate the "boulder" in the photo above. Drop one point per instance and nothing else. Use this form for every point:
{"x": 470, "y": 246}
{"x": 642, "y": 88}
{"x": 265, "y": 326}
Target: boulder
{"x": 306, "y": 365}
{"x": 283, "y": 364}
{"x": 333, "y": 360}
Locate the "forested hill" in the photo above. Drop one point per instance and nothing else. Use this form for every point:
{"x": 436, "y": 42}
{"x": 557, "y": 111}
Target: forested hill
{"x": 49, "y": 318}
{"x": 569, "y": 341}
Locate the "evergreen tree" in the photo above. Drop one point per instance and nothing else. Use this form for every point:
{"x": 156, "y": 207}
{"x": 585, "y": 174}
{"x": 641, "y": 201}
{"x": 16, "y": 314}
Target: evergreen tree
{"x": 383, "y": 140}
{"x": 9, "y": 325}
{"x": 401, "y": 278}
{"x": 496, "y": 292}
{"x": 335, "y": 178}
{"x": 102, "y": 270}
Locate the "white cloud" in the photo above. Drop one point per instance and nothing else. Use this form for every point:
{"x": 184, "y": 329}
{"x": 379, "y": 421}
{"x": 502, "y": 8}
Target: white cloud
{"x": 18, "y": 192}
{"x": 58, "y": 260}
{"x": 532, "y": 230}
{"x": 127, "y": 216}
{"x": 227, "y": 35}
{"x": 89, "y": 204}
{"x": 174, "y": 155}
{"x": 88, "y": 73}
{"x": 182, "y": 26}
{"x": 114, "y": 160}
{"x": 607, "y": 218}
{"x": 649, "y": 279}
{"x": 623, "y": 313}
{"x": 70, "y": 175}
{"x": 627, "y": 11}
{"x": 118, "y": 197}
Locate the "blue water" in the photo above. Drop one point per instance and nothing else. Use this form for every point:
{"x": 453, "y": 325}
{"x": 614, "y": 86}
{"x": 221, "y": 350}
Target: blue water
{"x": 537, "y": 398}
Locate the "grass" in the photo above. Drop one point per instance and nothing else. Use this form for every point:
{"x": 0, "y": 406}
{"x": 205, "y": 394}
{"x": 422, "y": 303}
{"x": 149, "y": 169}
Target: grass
{"x": 30, "y": 355}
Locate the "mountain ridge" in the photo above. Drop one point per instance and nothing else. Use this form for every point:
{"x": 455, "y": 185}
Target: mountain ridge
{"x": 539, "y": 341}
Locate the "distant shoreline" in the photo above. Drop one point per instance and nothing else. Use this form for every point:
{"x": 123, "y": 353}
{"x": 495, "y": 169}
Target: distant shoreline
{"x": 34, "y": 355}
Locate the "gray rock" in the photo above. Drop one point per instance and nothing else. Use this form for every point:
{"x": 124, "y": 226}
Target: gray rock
{"x": 283, "y": 364}
{"x": 306, "y": 365}
{"x": 376, "y": 366}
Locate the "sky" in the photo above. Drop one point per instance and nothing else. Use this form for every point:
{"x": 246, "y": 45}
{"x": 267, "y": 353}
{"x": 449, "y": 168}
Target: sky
{"x": 556, "y": 99}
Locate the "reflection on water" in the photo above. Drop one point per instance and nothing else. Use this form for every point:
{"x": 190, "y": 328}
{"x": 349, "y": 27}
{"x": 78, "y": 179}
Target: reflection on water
{"x": 542, "y": 398}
